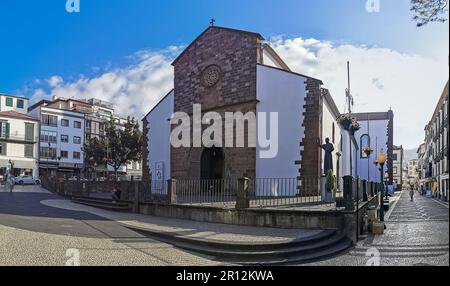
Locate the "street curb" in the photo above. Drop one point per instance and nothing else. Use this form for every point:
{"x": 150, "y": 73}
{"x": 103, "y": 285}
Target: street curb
{"x": 391, "y": 209}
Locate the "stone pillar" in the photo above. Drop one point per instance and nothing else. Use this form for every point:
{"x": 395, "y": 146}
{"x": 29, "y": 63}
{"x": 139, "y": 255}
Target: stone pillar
{"x": 171, "y": 192}
{"x": 348, "y": 193}
{"x": 242, "y": 199}
{"x": 136, "y": 196}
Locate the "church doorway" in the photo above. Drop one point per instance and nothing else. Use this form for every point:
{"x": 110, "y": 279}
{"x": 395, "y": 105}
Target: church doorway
{"x": 212, "y": 164}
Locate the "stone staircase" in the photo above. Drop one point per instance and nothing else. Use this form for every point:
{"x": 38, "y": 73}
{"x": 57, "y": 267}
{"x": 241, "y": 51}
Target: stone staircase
{"x": 325, "y": 244}
{"x": 103, "y": 203}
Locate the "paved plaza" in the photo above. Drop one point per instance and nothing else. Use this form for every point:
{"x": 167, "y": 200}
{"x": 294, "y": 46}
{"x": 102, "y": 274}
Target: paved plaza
{"x": 40, "y": 228}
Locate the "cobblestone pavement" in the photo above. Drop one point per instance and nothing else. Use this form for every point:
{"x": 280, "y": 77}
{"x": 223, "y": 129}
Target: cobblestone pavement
{"x": 417, "y": 234}
{"x": 32, "y": 233}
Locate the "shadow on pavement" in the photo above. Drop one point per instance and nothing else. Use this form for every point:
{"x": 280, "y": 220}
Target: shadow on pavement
{"x": 23, "y": 210}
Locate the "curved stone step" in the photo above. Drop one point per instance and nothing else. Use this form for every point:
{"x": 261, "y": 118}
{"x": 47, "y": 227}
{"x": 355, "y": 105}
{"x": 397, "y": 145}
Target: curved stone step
{"x": 326, "y": 244}
{"x": 236, "y": 246}
{"x": 104, "y": 206}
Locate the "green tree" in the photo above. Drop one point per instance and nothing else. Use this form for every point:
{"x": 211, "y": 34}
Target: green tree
{"x": 94, "y": 151}
{"x": 123, "y": 145}
{"x": 426, "y": 11}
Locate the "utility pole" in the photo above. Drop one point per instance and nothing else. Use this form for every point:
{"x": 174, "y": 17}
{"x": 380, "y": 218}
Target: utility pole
{"x": 350, "y": 103}
{"x": 370, "y": 148}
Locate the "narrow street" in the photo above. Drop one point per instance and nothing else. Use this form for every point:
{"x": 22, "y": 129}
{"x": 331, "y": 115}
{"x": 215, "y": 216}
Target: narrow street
{"x": 417, "y": 234}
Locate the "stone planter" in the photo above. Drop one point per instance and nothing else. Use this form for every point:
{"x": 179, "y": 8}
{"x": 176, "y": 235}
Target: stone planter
{"x": 377, "y": 228}
{"x": 328, "y": 198}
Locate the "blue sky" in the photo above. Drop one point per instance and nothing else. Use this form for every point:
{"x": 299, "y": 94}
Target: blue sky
{"x": 40, "y": 40}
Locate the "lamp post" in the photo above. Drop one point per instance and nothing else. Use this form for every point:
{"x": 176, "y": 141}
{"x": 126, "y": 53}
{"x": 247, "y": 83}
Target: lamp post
{"x": 381, "y": 160}
{"x": 48, "y": 157}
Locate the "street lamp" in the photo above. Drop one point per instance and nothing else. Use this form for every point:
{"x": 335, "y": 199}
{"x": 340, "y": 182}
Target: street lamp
{"x": 381, "y": 160}
{"x": 48, "y": 157}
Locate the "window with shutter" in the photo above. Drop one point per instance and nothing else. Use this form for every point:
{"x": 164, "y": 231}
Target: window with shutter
{"x": 29, "y": 132}
{"x": 29, "y": 152}
{"x": 7, "y": 130}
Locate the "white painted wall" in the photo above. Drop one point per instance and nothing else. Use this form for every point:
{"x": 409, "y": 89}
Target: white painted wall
{"x": 3, "y": 106}
{"x": 345, "y": 158}
{"x": 378, "y": 134}
{"x": 269, "y": 60}
{"x": 158, "y": 136}
{"x": 16, "y": 151}
{"x": 70, "y": 131}
{"x": 328, "y": 121}
{"x": 285, "y": 93}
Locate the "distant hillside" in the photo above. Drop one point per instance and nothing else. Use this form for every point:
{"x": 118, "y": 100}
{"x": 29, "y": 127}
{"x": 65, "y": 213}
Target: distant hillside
{"x": 409, "y": 155}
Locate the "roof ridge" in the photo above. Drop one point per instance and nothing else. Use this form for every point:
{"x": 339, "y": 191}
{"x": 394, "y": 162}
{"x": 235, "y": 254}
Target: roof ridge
{"x": 207, "y": 29}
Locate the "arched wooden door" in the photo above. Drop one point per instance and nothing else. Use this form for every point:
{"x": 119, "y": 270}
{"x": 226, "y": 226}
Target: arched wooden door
{"x": 212, "y": 164}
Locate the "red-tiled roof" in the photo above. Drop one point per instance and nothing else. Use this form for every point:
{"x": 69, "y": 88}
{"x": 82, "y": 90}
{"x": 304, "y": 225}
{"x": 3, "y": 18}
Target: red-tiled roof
{"x": 13, "y": 114}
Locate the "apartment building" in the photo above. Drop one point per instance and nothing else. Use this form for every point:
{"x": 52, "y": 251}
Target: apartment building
{"x": 397, "y": 163}
{"x": 18, "y": 143}
{"x": 422, "y": 166}
{"x": 434, "y": 152}
{"x": 413, "y": 173}
{"x": 61, "y": 145}
{"x": 13, "y": 103}
{"x": 62, "y": 135}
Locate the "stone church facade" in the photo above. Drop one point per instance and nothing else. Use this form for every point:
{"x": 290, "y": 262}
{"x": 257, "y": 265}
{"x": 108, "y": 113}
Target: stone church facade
{"x": 227, "y": 70}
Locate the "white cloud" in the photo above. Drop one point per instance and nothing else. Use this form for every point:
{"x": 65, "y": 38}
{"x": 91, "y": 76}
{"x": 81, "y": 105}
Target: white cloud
{"x": 133, "y": 89}
{"x": 380, "y": 79}
{"x": 54, "y": 81}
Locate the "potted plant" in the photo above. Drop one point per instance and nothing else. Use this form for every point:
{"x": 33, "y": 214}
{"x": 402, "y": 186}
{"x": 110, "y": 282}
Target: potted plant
{"x": 367, "y": 151}
{"x": 354, "y": 126}
{"x": 330, "y": 186}
{"x": 345, "y": 120}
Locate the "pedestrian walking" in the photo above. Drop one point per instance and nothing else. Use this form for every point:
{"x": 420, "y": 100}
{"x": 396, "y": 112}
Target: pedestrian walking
{"x": 10, "y": 182}
{"x": 411, "y": 194}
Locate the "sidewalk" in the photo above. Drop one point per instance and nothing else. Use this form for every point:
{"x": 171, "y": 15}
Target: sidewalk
{"x": 192, "y": 229}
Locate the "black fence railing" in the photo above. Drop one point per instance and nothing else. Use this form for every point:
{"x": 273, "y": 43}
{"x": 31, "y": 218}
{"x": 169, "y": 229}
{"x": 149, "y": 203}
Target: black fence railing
{"x": 285, "y": 193}
{"x": 207, "y": 192}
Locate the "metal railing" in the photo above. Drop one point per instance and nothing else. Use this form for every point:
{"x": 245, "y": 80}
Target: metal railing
{"x": 156, "y": 191}
{"x": 291, "y": 193}
{"x": 20, "y": 138}
{"x": 207, "y": 192}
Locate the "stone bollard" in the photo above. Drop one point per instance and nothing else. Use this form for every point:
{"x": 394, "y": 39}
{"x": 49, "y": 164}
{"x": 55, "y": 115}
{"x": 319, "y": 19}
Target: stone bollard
{"x": 171, "y": 192}
{"x": 348, "y": 193}
{"x": 242, "y": 200}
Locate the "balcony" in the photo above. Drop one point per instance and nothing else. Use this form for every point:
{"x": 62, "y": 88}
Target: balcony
{"x": 445, "y": 122}
{"x": 19, "y": 138}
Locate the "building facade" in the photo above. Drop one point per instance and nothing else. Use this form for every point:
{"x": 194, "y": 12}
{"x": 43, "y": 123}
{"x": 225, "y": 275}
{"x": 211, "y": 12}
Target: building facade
{"x": 397, "y": 167}
{"x": 62, "y": 135}
{"x": 18, "y": 143}
{"x": 13, "y": 103}
{"x": 435, "y": 163}
{"x": 413, "y": 174}
{"x": 377, "y": 132}
{"x": 66, "y": 125}
{"x": 422, "y": 166}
